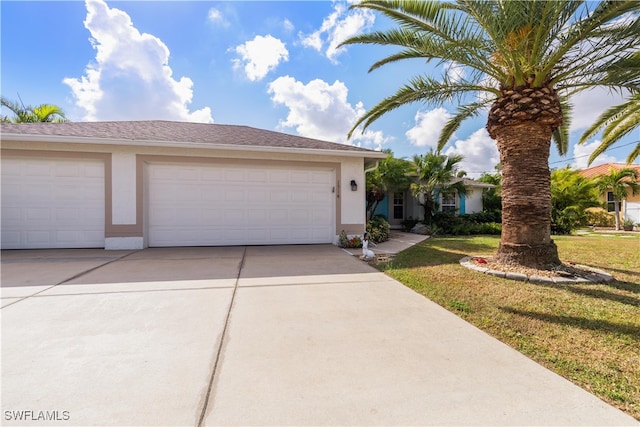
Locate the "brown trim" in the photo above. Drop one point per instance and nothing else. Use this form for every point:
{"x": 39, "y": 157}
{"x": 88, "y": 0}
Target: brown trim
{"x": 351, "y": 229}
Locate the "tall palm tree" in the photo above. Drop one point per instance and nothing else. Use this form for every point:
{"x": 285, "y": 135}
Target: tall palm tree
{"x": 523, "y": 59}
{"x": 436, "y": 173}
{"x": 391, "y": 174}
{"x": 39, "y": 113}
{"x": 619, "y": 182}
{"x": 617, "y": 122}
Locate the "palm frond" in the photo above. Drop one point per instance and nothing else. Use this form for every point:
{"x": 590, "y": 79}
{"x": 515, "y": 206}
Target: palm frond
{"x": 464, "y": 112}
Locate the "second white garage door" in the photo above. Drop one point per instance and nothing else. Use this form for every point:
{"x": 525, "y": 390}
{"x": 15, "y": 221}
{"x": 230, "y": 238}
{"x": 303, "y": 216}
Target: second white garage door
{"x": 219, "y": 205}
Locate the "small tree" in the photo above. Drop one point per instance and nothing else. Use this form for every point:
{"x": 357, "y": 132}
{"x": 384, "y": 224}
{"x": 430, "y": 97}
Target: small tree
{"x": 391, "y": 174}
{"x": 491, "y": 199}
{"x": 618, "y": 182}
{"x": 435, "y": 172}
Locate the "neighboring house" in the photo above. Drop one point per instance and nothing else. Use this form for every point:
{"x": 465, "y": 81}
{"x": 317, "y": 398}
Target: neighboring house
{"x": 130, "y": 185}
{"x": 400, "y": 205}
{"x": 629, "y": 208}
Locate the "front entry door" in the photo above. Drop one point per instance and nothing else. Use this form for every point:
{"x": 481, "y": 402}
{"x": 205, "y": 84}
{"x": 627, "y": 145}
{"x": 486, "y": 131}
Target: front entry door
{"x": 397, "y": 209}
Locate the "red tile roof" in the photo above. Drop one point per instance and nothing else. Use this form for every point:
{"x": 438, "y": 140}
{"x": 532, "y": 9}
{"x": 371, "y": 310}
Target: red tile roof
{"x": 604, "y": 169}
{"x": 174, "y": 132}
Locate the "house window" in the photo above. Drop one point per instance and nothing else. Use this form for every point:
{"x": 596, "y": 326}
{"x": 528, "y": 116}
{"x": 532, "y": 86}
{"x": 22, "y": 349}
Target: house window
{"x": 448, "y": 203}
{"x": 611, "y": 204}
{"x": 398, "y": 205}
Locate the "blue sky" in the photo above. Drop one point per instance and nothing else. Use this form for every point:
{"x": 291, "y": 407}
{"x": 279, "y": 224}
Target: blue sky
{"x": 265, "y": 64}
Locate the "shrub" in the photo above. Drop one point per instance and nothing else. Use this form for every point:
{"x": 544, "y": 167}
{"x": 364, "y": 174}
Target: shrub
{"x": 349, "y": 242}
{"x": 599, "y": 217}
{"x": 446, "y": 221}
{"x": 378, "y": 229}
{"x": 471, "y": 228}
{"x": 483, "y": 217}
{"x": 408, "y": 224}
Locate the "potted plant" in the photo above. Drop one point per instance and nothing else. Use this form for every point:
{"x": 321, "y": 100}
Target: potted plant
{"x": 627, "y": 225}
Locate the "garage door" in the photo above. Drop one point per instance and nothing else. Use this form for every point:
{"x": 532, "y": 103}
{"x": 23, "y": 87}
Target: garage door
{"x": 52, "y": 203}
{"x": 218, "y": 205}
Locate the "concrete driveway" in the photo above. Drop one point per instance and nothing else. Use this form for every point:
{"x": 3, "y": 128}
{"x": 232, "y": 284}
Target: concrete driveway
{"x": 287, "y": 335}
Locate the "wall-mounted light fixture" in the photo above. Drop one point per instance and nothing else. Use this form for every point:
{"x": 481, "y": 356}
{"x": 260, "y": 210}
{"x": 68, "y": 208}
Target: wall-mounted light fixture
{"x": 354, "y": 186}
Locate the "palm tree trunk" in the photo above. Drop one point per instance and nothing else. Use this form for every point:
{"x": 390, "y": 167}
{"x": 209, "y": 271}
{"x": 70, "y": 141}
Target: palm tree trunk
{"x": 526, "y": 196}
{"x": 616, "y": 208}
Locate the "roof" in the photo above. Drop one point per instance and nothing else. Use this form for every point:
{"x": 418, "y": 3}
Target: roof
{"x": 157, "y": 132}
{"x": 604, "y": 169}
{"x": 467, "y": 182}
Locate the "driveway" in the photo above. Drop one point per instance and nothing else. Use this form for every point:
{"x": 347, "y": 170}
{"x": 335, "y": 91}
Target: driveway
{"x": 285, "y": 335}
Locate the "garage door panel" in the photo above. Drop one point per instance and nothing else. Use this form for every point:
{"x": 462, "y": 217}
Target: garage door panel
{"x": 52, "y": 203}
{"x": 240, "y": 205}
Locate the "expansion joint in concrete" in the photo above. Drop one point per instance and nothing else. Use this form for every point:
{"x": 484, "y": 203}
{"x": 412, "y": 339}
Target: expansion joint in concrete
{"x": 214, "y": 370}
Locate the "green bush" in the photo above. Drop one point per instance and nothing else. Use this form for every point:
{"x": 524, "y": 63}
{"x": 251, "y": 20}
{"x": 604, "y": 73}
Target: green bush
{"x": 378, "y": 229}
{"x": 471, "y": 228}
{"x": 408, "y": 224}
{"x": 483, "y": 217}
{"x": 599, "y": 217}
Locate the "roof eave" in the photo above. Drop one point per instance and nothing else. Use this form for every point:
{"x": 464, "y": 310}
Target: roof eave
{"x": 198, "y": 145}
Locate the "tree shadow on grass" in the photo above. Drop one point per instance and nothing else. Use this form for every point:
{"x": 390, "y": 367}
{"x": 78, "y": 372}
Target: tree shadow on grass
{"x": 600, "y": 293}
{"x": 439, "y": 251}
{"x": 578, "y": 322}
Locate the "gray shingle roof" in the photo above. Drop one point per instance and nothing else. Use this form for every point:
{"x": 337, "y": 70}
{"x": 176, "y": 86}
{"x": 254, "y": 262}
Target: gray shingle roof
{"x": 168, "y": 131}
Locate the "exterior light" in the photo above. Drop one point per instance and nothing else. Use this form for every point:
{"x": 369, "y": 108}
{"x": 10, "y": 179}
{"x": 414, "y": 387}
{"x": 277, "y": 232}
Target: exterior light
{"x": 354, "y": 186}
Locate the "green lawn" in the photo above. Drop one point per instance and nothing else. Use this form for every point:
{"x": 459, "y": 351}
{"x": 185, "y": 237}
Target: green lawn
{"x": 588, "y": 333}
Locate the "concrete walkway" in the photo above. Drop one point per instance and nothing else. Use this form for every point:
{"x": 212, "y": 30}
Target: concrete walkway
{"x": 288, "y": 335}
{"x": 398, "y": 242}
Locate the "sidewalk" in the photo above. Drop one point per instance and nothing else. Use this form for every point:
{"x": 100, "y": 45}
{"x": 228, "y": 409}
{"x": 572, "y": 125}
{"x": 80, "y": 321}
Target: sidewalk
{"x": 398, "y": 242}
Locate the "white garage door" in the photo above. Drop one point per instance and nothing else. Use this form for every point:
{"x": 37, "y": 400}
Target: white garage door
{"x": 52, "y": 203}
{"x": 219, "y": 205}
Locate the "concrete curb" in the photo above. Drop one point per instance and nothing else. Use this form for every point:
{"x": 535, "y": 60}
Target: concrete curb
{"x": 596, "y": 275}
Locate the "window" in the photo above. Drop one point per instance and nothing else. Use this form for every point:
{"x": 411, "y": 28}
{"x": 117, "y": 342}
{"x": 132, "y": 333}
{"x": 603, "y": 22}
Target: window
{"x": 398, "y": 205}
{"x": 611, "y": 204}
{"x": 448, "y": 203}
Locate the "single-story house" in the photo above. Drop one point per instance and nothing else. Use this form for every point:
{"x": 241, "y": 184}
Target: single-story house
{"x": 630, "y": 207}
{"x": 136, "y": 184}
{"x": 398, "y": 206}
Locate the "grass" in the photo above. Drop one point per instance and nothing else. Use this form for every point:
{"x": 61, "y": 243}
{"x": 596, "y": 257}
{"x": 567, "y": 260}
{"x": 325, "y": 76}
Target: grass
{"x": 588, "y": 333}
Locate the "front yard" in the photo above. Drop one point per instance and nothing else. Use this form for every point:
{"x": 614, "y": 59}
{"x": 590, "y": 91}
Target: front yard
{"x": 588, "y": 333}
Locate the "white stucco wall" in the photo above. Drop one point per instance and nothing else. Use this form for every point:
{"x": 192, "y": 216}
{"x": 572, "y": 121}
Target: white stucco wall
{"x": 352, "y": 202}
{"x": 473, "y": 200}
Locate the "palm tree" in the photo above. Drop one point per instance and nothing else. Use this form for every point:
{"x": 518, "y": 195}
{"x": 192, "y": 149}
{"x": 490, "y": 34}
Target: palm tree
{"x": 436, "y": 173}
{"x": 571, "y": 195}
{"x": 391, "y": 174}
{"x": 523, "y": 59}
{"x": 618, "y": 182}
{"x": 39, "y": 113}
{"x": 617, "y": 122}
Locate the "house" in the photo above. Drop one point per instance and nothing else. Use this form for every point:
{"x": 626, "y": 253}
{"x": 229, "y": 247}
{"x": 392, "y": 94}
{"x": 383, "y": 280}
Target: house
{"x": 135, "y": 184}
{"x": 400, "y": 205}
{"x": 630, "y": 207}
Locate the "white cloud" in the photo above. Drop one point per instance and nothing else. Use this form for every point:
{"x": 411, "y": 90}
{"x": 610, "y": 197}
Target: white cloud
{"x": 589, "y": 104}
{"x": 130, "y": 78}
{"x": 288, "y": 26}
{"x": 321, "y": 110}
{"x": 259, "y": 56}
{"x": 215, "y": 15}
{"x": 454, "y": 71}
{"x": 428, "y": 126}
{"x": 341, "y": 24}
{"x": 479, "y": 151}
{"x": 581, "y": 154}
